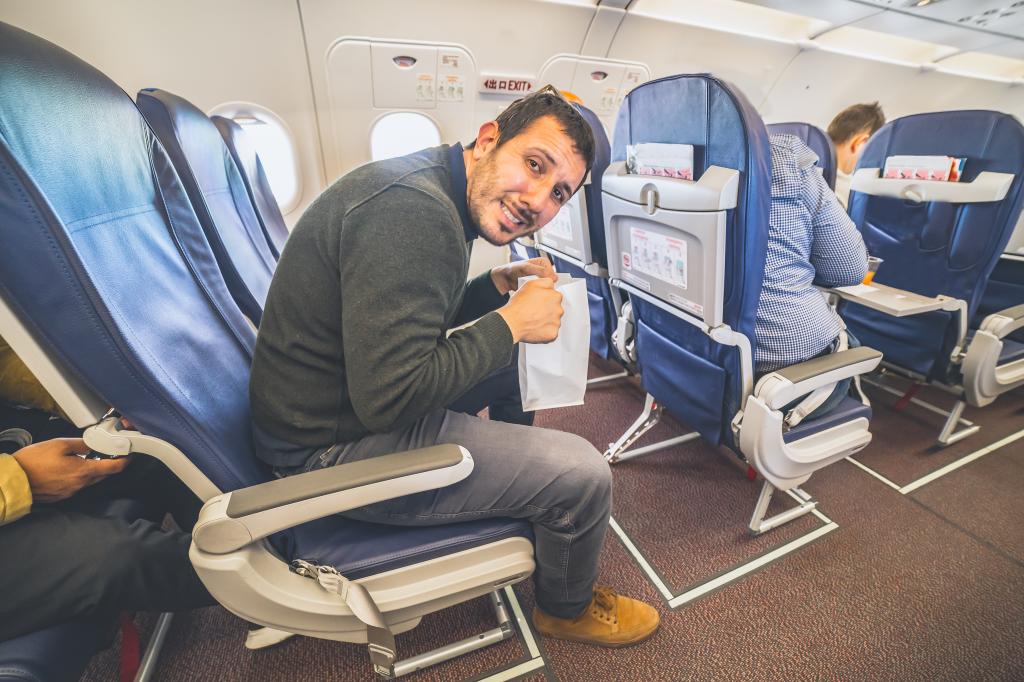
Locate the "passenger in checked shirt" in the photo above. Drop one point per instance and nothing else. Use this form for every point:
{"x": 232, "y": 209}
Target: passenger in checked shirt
{"x": 811, "y": 240}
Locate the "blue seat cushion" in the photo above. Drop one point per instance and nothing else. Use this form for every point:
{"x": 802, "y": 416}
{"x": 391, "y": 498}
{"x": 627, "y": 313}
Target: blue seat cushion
{"x": 848, "y": 410}
{"x": 60, "y": 652}
{"x": 1012, "y": 350}
{"x": 358, "y": 549}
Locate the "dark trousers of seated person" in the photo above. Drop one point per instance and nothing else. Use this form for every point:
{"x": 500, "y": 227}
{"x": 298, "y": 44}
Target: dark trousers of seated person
{"x": 557, "y": 481}
{"x": 73, "y": 559}
{"x": 499, "y": 393}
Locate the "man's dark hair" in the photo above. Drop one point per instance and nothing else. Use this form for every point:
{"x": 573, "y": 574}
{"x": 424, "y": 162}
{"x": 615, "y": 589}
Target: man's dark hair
{"x": 854, "y": 120}
{"x": 547, "y": 102}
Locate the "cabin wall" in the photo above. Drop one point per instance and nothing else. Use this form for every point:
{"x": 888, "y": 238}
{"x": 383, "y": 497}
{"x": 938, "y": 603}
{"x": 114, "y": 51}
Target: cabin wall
{"x": 279, "y": 55}
{"x": 207, "y": 52}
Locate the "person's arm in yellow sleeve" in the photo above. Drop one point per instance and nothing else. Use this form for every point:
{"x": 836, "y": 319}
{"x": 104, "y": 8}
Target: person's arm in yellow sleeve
{"x": 15, "y": 493}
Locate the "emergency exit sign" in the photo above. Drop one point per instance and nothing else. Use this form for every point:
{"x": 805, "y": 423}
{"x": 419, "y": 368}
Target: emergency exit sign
{"x": 496, "y": 84}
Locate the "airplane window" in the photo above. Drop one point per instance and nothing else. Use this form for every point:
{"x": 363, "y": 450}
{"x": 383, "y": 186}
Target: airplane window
{"x": 267, "y": 133}
{"x": 402, "y": 132}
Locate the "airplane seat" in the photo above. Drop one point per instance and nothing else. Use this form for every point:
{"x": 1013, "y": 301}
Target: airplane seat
{"x": 819, "y": 142}
{"x": 576, "y": 244}
{"x": 217, "y": 191}
{"x": 691, "y": 256}
{"x": 1005, "y": 289}
{"x": 107, "y": 275}
{"x": 256, "y": 184}
{"x": 941, "y": 241}
{"x": 62, "y": 652}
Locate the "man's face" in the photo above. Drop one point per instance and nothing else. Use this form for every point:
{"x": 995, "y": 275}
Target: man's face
{"x": 517, "y": 188}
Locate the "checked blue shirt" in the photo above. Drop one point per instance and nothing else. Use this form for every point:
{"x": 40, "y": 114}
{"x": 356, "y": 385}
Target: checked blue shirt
{"x": 811, "y": 240}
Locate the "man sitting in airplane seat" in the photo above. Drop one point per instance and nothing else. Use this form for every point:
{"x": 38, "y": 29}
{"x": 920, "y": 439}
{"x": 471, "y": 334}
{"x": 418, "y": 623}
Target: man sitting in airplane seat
{"x": 811, "y": 240}
{"x": 61, "y": 557}
{"x": 353, "y": 359}
{"x": 850, "y": 130}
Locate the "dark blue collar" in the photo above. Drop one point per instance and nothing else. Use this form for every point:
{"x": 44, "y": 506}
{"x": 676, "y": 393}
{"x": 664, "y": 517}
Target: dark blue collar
{"x": 457, "y": 165}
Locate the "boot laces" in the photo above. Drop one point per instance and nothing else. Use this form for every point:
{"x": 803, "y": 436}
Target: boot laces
{"x": 604, "y": 604}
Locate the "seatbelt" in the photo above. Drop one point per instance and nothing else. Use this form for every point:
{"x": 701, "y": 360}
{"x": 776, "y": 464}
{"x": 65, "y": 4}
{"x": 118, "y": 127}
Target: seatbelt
{"x": 818, "y": 396}
{"x": 379, "y": 638}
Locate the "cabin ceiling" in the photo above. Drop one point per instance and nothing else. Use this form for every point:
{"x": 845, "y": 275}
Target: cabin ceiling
{"x": 990, "y": 26}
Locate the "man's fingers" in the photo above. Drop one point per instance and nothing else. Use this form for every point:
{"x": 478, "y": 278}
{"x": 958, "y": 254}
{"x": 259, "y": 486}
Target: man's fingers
{"x": 73, "y": 446}
{"x": 106, "y": 467}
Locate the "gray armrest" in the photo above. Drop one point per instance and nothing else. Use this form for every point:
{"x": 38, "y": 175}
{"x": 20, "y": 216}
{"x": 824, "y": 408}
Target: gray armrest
{"x": 229, "y": 522}
{"x": 1004, "y": 322}
{"x": 785, "y": 385}
{"x": 827, "y": 363}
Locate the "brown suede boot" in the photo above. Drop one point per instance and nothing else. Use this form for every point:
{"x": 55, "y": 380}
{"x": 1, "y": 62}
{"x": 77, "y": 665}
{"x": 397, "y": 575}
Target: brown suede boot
{"x": 611, "y": 620}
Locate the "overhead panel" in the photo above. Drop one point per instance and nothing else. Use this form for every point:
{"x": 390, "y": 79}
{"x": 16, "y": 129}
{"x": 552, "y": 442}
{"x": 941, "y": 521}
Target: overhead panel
{"x": 836, "y": 12}
{"x": 734, "y": 17}
{"x": 1008, "y": 48}
{"x": 939, "y": 32}
{"x": 860, "y": 42}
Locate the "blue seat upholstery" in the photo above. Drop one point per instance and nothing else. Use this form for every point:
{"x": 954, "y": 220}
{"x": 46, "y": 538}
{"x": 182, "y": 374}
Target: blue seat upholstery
{"x": 1005, "y": 289}
{"x": 255, "y": 180}
{"x": 106, "y": 262}
{"x": 216, "y": 189}
{"x": 848, "y": 409}
{"x": 936, "y": 248}
{"x": 57, "y": 653}
{"x": 602, "y": 307}
{"x": 819, "y": 142}
{"x": 680, "y": 365}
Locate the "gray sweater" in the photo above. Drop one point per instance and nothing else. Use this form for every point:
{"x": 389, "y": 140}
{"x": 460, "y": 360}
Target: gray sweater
{"x": 353, "y": 337}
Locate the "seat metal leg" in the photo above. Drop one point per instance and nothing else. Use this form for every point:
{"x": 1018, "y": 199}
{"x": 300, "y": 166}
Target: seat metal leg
{"x": 439, "y": 655}
{"x": 759, "y": 524}
{"x": 949, "y": 433}
{"x": 607, "y": 377}
{"x": 648, "y": 419}
{"x": 156, "y": 643}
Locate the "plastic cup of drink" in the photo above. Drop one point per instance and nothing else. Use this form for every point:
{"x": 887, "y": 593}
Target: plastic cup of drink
{"x": 873, "y": 263}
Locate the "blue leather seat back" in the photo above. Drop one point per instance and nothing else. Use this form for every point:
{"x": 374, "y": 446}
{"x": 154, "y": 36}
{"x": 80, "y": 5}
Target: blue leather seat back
{"x": 105, "y": 260}
{"x": 592, "y": 191}
{"x": 819, "y": 142}
{"x": 1005, "y": 289}
{"x": 255, "y": 180}
{"x": 692, "y": 376}
{"x": 602, "y": 309}
{"x": 936, "y": 248}
{"x": 217, "y": 191}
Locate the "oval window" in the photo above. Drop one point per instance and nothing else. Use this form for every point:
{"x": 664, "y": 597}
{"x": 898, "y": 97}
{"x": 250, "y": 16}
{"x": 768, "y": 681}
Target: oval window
{"x": 400, "y": 133}
{"x": 270, "y": 137}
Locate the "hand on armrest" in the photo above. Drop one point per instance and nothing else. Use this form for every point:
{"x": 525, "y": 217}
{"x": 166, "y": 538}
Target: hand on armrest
{"x": 786, "y": 385}
{"x": 231, "y": 521}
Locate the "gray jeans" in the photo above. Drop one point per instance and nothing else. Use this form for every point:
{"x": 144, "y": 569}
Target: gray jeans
{"x": 556, "y": 480}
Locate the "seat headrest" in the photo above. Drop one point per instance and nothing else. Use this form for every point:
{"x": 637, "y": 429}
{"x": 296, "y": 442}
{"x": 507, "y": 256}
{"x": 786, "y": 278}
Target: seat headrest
{"x": 815, "y": 138}
{"x": 105, "y": 261}
{"x": 592, "y": 191}
{"x": 215, "y": 187}
{"x": 726, "y": 131}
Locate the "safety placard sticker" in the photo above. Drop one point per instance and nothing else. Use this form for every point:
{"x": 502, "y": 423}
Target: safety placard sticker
{"x": 659, "y": 256}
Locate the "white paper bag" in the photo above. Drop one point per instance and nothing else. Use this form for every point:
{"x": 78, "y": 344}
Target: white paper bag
{"x": 555, "y": 374}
